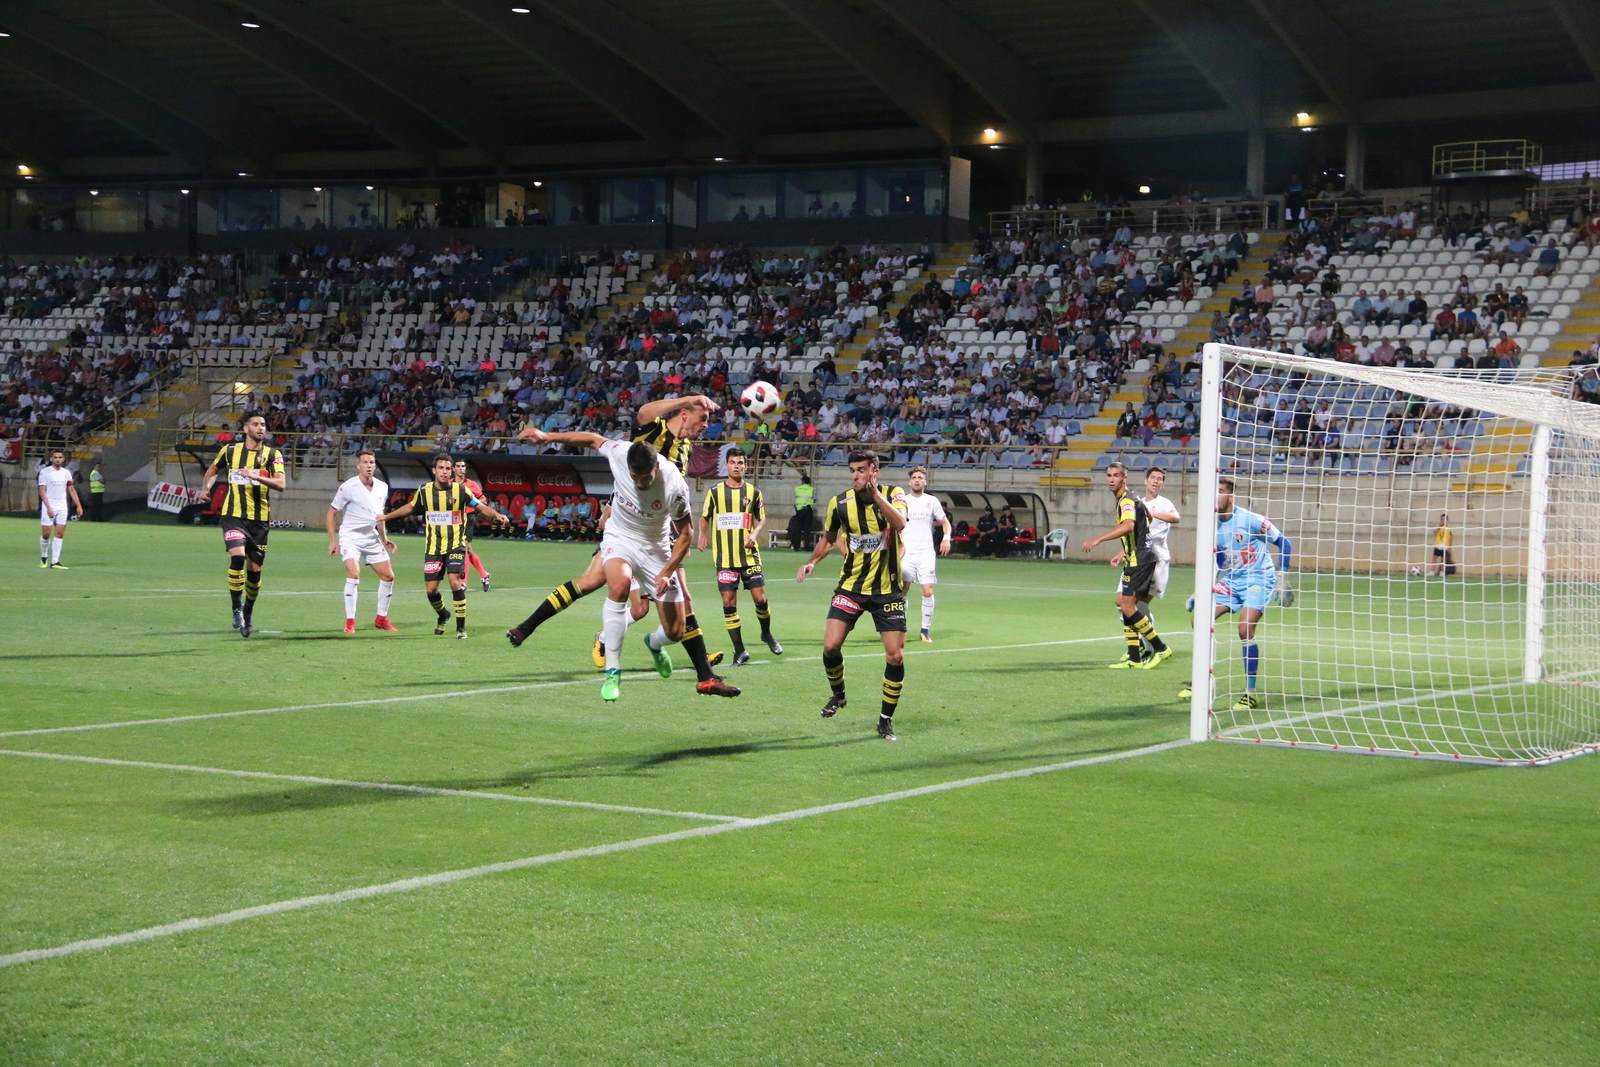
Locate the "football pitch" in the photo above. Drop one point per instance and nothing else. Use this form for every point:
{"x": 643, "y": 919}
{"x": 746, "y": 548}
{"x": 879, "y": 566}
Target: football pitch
{"x": 312, "y": 848}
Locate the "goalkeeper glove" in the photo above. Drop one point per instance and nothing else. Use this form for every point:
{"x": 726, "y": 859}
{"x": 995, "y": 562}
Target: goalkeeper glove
{"x": 1188, "y": 605}
{"x": 1285, "y": 596}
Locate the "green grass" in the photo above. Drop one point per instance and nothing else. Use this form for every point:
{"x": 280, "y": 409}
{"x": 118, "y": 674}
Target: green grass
{"x": 1208, "y": 903}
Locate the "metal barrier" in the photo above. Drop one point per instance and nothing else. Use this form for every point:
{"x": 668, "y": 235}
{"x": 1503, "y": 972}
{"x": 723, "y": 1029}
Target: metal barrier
{"x": 1142, "y": 218}
{"x": 1485, "y": 157}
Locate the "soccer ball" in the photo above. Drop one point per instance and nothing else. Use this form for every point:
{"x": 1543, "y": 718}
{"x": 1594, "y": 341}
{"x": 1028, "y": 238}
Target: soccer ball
{"x": 1416, "y": 572}
{"x": 760, "y": 400}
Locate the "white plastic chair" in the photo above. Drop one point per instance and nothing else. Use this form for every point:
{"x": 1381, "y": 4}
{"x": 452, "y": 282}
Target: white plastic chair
{"x": 1056, "y": 539}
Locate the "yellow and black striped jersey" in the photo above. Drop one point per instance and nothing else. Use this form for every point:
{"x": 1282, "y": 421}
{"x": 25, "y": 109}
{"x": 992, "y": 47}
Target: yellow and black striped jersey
{"x": 247, "y": 499}
{"x": 731, "y": 514}
{"x": 443, "y": 516}
{"x": 659, "y": 436}
{"x": 870, "y": 545}
{"x": 1134, "y": 541}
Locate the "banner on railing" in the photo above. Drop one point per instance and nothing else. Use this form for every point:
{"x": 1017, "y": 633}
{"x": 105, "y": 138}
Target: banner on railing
{"x": 164, "y": 496}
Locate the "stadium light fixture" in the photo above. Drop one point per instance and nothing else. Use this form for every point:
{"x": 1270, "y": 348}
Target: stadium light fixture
{"x": 183, "y": 192}
{"x": 94, "y": 192}
{"x": 369, "y": 188}
{"x": 990, "y": 132}
{"x": 1302, "y": 118}
{"x": 3, "y": 33}
{"x": 1144, "y": 190}
{"x": 1308, "y": 129}
{"x": 244, "y": 174}
{"x": 521, "y": 11}
{"x": 24, "y": 170}
{"x": 719, "y": 159}
{"x": 251, "y": 25}
{"x": 538, "y": 184}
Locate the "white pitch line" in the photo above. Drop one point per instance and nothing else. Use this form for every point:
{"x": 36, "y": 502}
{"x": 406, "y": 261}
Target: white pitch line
{"x": 451, "y": 694}
{"x": 380, "y": 787}
{"x": 429, "y": 881}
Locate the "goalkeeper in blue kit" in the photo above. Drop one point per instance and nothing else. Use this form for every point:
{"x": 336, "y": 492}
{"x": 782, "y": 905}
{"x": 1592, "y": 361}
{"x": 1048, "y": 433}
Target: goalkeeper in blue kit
{"x": 1246, "y": 579}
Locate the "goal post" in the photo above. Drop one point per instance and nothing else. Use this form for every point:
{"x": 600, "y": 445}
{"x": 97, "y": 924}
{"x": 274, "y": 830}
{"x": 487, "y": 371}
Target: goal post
{"x": 1445, "y": 573}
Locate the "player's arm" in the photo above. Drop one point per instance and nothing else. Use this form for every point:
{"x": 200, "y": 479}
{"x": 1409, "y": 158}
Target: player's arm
{"x": 72, "y": 494}
{"x": 703, "y": 538}
{"x": 752, "y": 536}
{"x": 44, "y": 500}
{"x": 1280, "y": 540}
{"x": 665, "y": 409}
{"x": 486, "y": 508}
{"x": 1171, "y": 517}
{"x": 682, "y": 528}
{"x": 403, "y": 510}
{"x": 333, "y": 532}
{"x": 830, "y": 531}
{"x": 278, "y": 479}
{"x": 211, "y": 474}
{"x": 944, "y": 527}
{"x": 576, "y": 438}
{"x": 894, "y": 517}
{"x": 1121, "y": 529}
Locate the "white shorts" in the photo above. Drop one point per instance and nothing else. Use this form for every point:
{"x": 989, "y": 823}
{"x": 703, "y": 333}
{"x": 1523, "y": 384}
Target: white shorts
{"x": 63, "y": 513}
{"x": 919, "y": 569}
{"x": 1163, "y": 571}
{"x": 367, "y": 550}
{"x": 646, "y": 562}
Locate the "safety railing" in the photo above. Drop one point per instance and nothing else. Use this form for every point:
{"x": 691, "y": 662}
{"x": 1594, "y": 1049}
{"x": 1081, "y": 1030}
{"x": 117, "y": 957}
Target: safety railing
{"x": 1485, "y": 157}
{"x": 1142, "y": 218}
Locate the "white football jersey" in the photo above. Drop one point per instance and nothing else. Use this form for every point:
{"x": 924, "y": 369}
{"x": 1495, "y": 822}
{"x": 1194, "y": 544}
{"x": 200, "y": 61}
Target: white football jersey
{"x": 923, "y": 514}
{"x": 1159, "y": 528}
{"x": 643, "y": 517}
{"x": 360, "y": 507}
{"x": 54, "y": 481}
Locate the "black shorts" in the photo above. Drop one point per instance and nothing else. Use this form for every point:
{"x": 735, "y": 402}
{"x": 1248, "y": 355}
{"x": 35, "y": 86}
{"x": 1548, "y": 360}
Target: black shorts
{"x": 729, "y": 578}
{"x": 1441, "y": 553}
{"x": 888, "y": 612}
{"x": 247, "y": 532}
{"x": 1140, "y": 579}
{"x": 436, "y": 565}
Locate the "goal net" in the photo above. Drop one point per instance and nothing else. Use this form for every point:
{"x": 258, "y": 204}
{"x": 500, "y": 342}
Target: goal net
{"x": 1442, "y": 598}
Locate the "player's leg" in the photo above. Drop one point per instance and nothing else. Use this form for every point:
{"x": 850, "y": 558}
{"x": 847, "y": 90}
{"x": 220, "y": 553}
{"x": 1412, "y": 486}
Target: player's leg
{"x": 58, "y": 539}
{"x": 233, "y": 539}
{"x": 352, "y": 586}
{"x": 728, "y": 588}
{"x": 618, "y": 576}
{"x": 892, "y": 628}
{"x": 385, "y": 572}
{"x": 927, "y": 607}
{"x": 756, "y": 583}
{"x": 255, "y": 555}
{"x": 456, "y": 570}
{"x": 1250, "y": 652}
{"x": 1140, "y": 589}
{"x": 692, "y": 633}
{"x": 46, "y": 531}
{"x": 706, "y": 683}
{"x": 834, "y": 631}
{"x": 560, "y": 599}
{"x": 432, "y": 574}
{"x": 476, "y": 564}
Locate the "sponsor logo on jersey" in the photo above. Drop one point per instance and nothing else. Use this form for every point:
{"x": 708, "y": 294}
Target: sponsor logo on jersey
{"x": 655, "y": 505}
{"x": 844, "y": 603}
{"x": 1239, "y": 537}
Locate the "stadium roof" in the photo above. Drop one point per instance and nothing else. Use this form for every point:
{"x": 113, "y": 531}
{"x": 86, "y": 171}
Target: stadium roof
{"x": 188, "y": 87}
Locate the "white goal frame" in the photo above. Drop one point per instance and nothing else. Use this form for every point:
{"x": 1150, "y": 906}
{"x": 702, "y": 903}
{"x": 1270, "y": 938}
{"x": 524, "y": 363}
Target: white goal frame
{"x": 1540, "y": 398}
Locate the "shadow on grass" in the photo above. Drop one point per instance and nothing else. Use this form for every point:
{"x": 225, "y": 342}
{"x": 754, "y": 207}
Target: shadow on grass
{"x": 292, "y": 797}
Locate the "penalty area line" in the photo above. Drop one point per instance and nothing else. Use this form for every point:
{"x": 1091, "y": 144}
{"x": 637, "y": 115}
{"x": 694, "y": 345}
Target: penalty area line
{"x": 378, "y": 787}
{"x": 440, "y": 878}
{"x": 454, "y": 694}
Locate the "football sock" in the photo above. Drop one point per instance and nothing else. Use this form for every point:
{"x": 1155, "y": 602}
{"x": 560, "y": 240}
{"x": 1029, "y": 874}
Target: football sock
{"x": 437, "y": 600}
{"x": 694, "y": 643}
{"x": 655, "y": 641}
{"x": 833, "y": 666}
{"x": 1252, "y": 663}
{"x": 55, "y": 549}
{"x": 560, "y": 599}
{"x": 764, "y": 617}
{"x": 459, "y": 596}
{"x": 252, "y": 589}
{"x": 352, "y": 591}
{"x": 927, "y": 613}
{"x": 1131, "y": 636}
{"x": 236, "y": 580}
{"x": 1143, "y": 628}
{"x": 894, "y": 678}
{"x": 730, "y": 619}
{"x": 476, "y": 564}
{"x": 385, "y": 595}
{"x": 44, "y": 549}
{"x": 614, "y": 625}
